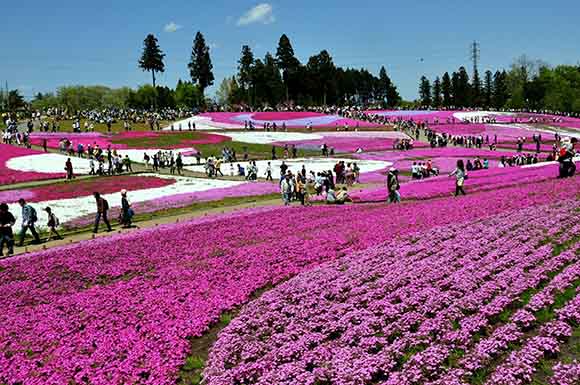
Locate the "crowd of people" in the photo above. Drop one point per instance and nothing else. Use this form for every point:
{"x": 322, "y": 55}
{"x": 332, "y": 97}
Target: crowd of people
{"x": 331, "y": 185}
{"x": 29, "y": 218}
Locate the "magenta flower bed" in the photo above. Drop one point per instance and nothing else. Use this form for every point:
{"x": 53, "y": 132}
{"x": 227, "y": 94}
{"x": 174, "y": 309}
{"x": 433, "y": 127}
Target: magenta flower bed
{"x": 185, "y": 199}
{"x": 85, "y": 188}
{"x": 291, "y": 119}
{"x": 121, "y": 309}
{"x": 481, "y": 180}
{"x": 396, "y": 314}
{"x": 415, "y": 115}
{"x": 8, "y": 176}
{"x": 430, "y": 153}
{"x": 350, "y": 144}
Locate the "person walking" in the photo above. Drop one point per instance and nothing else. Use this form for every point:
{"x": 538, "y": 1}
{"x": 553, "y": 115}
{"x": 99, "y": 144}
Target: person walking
{"x": 126, "y": 211}
{"x": 102, "y": 210}
{"x": 393, "y": 185}
{"x": 69, "y": 169}
{"x": 127, "y": 163}
{"x": 286, "y": 189}
{"x": 29, "y": 218}
{"x": 179, "y": 163}
{"x": 7, "y": 220}
{"x": 269, "y": 172}
{"x": 460, "y": 176}
{"x": 52, "y": 224}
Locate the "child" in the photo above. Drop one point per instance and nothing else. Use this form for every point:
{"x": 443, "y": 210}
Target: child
{"x": 52, "y": 224}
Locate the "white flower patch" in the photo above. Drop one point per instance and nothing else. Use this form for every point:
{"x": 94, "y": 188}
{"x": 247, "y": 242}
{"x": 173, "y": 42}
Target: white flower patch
{"x": 202, "y": 123}
{"x": 69, "y": 209}
{"x": 295, "y": 165}
{"x": 261, "y": 137}
{"x": 137, "y": 155}
{"x": 366, "y": 134}
{"x": 48, "y": 163}
{"x": 477, "y": 114}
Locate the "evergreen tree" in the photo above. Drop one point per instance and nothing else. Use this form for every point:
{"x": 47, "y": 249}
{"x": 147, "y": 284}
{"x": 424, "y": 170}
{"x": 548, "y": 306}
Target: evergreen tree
{"x": 387, "y": 90}
{"x": 152, "y": 57}
{"x": 455, "y": 98}
{"x": 500, "y": 94}
{"x": 446, "y": 89}
{"x": 488, "y": 89}
{"x": 245, "y": 65}
{"x": 200, "y": 67}
{"x": 464, "y": 89}
{"x": 393, "y": 97}
{"x": 15, "y": 100}
{"x": 425, "y": 92}
{"x": 476, "y": 89}
{"x": 273, "y": 84}
{"x": 321, "y": 69}
{"x": 437, "y": 101}
{"x": 287, "y": 62}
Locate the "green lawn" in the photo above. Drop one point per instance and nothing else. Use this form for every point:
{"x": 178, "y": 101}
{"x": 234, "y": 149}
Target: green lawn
{"x": 255, "y": 151}
{"x": 66, "y": 126}
{"x": 165, "y": 140}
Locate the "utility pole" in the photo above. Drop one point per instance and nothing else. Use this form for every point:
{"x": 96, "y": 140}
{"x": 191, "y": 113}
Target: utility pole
{"x": 474, "y": 53}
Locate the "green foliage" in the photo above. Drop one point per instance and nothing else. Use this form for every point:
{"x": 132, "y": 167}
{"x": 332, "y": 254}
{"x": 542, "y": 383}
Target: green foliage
{"x": 318, "y": 82}
{"x": 425, "y": 92}
{"x": 152, "y": 57}
{"x": 200, "y": 66}
{"x": 437, "y": 100}
{"x": 446, "y": 89}
{"x": 188, "y": 95}
{"x": 527, "y": 84}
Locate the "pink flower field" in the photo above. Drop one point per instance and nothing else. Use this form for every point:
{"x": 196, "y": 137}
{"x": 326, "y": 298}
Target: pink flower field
{"x": 480, "y": 180}
{"x": 186, "y": 199}
{"x": 84, "y": 188}
{"x": 123, "y": 309}
{"x": 399, "y": 312}
{"x": 8, "y": 176}
{"x": 291, "y": 119}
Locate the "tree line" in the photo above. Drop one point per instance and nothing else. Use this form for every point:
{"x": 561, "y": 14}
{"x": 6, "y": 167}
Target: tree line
{"x": 282, "y": 79}
{"x": 185, "y": 95}
{"x": 527, "y": 84}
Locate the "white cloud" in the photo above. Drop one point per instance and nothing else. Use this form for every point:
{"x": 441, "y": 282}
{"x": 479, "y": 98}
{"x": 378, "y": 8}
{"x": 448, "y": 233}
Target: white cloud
{"x": 172, "y": 27}
{"x": 213, "y": 45}
{"x": 261, "y": 13}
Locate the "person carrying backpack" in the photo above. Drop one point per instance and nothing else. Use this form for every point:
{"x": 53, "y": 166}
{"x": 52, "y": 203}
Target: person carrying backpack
{"x": 52, "y": 224}
{"x": 29, "y": 218}
{"x": 6, "y": 236}
{"x": 102, "y": 210}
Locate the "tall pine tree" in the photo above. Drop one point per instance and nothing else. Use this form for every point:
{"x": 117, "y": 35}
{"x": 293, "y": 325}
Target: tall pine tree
{"x": 425, "y": 92}
{"x": 476, "y": 89}
{"x": 455, "y": 90}
{"x": 446, "y": 90}
{"x": 321, "y": 69}
{"x": 152, "y": 57}
{"x": 500, "y": 90}
{"x": 287, "y": 62}
{"x": 463, "y": 93}
{"x": 437, "y": 101}
{"x": 487, "y": 89}
{"x": 245, "y": 65}
{"x": 200, "y": 67}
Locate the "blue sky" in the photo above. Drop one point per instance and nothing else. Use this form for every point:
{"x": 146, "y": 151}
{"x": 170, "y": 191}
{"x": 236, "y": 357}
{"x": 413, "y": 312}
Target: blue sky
{"x": 46, "y": 44}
